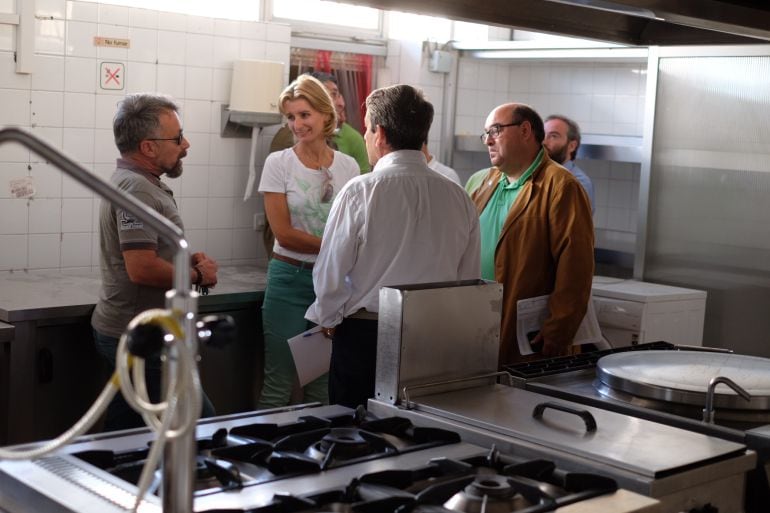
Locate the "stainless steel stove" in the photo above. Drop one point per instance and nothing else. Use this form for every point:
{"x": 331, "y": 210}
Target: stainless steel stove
{"x": 326, "y": 458}
{"x": 584, "y": 379}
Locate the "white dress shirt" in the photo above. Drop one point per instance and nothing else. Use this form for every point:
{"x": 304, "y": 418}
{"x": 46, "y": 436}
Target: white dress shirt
{"x": 447, "y": 171}
{"x": 400, "y": 224}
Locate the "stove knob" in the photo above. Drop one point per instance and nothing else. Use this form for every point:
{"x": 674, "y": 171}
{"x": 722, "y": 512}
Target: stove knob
{"x": 216, "y": 330}
{"x": 145, "y": 340}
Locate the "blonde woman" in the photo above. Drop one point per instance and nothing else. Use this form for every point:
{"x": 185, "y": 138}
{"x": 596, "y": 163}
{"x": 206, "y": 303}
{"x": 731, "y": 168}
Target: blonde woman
{"x": 299, "y": 185}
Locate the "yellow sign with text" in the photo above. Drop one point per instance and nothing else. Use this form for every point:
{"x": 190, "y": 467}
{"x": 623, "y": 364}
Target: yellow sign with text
{"x": 112, "y": 42}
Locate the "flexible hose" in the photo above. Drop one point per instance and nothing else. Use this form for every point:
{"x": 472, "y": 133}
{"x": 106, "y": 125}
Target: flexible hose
{"x": 79, "y": 428}
{"x": 184, "y": 387}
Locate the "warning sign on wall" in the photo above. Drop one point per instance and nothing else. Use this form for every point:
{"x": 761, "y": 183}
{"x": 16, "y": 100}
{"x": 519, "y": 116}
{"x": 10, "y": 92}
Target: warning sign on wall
{"x": 112, "y": 75}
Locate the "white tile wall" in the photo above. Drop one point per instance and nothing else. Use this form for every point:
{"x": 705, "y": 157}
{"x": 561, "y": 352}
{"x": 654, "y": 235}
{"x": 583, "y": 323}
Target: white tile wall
{"x": 602, "y": 98}
{"x": 82, "y": 11}
{"x": 199, "y": 50}
{"x": 80, "y": 39}
{"x": 53, "y": 8}
{"x": 76, "y": 215}
{"x": 13, "y": 212}
{"x": 8, "y": 78}
{"x": 187, "y": 57}
{"x": 8, "y": 172}
{"x": 80, "y": 75}
{"x": 13, "y": 251}
{"x": 142, "y": 18}
{"x": 44, "y": 251}
{"x": 15, "y": 104}
{"x": 48, "y": 74}
{"x": 144, "y": 44}
{"x": 113, "y": 14}
{"x": 76, "y": 249}
{"x": 49, "y": 36}
{"x": 45, "y": 215}
{"x": 46, "y": 108}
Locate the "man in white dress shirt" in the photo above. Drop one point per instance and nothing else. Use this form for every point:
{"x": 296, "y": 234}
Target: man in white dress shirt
{"x": 438, "y": 167}
{"x": 401, "y": 224}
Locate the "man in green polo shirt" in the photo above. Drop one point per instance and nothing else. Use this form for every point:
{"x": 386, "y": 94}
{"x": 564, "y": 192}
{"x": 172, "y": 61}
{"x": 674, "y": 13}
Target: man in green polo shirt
{"x": 536, "y": 230}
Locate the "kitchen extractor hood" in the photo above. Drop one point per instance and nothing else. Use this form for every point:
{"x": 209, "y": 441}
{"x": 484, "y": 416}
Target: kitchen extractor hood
{"x": 629, "y": 22}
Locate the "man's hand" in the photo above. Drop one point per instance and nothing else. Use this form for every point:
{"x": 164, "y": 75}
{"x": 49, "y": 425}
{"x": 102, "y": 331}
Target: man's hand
{"x": 208, "y": 268}
{"x": 539, "y": 344}
{"x": 197, "y": 257}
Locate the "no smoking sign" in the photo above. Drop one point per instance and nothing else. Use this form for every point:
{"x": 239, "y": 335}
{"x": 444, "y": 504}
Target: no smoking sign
{"x": 112, "y": 75}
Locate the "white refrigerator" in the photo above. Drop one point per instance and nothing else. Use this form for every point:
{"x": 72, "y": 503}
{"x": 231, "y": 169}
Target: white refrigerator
{"x": 634, "y": 312}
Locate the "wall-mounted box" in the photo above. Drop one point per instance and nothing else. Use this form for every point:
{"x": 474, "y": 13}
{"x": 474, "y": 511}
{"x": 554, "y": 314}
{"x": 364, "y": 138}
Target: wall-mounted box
{"x": 254, "y": 93}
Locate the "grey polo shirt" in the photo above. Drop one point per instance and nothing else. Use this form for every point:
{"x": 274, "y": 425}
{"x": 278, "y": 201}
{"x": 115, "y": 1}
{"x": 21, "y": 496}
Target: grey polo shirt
{"x": 120, "y": 300}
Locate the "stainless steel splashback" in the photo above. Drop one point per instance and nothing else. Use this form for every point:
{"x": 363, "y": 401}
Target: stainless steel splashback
{"x": 436, "y": 332}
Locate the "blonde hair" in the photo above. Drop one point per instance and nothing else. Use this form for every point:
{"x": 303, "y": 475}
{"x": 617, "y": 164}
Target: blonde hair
{"x": 314, "y": 92}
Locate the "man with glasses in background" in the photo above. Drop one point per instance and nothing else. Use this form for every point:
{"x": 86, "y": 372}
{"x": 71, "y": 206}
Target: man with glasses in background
{"x": 136, "y": 264}
{"x": 536, "y": 231}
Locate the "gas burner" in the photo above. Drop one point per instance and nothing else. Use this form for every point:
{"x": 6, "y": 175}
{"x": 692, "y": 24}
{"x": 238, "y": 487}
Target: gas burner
{"x": 490, "y": 494}
{"x": 327, "y": 448}
{"x": 343, "y": 444}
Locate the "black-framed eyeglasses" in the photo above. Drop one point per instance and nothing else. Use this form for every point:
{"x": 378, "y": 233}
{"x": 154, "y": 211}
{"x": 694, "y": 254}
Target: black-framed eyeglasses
{"x": 179, "y": 138}
{"x": 494, "y": 131}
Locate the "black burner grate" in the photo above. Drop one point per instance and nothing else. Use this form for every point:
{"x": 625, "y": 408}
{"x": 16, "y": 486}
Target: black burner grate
{"x": 495, "y": 482}
{"x": 558, "y": 365}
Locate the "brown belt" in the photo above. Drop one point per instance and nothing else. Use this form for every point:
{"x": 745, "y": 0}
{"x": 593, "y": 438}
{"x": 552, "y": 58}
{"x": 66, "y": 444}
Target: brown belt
{"x": 293, "y": 261}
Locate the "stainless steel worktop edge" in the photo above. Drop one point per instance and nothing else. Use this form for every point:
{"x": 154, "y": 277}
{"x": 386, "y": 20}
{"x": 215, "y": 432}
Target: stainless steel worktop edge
{"x": 40, "y": 295}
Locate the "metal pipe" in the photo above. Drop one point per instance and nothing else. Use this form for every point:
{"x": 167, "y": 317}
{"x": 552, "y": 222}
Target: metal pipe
{"x": 180, "y": 452}
{"x": 708, "y": 411}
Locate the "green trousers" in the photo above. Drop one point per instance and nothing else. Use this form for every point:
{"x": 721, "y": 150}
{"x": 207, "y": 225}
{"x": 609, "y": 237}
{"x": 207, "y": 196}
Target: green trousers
{"x": 288, "y": 295}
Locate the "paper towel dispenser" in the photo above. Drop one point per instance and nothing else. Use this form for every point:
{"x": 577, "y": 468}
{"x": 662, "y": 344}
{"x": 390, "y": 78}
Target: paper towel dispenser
{"x": 254, "y": 93}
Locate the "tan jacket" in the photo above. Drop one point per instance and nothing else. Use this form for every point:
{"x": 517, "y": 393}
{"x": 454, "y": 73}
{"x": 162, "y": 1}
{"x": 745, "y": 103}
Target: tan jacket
{"x": 546, "y": 247}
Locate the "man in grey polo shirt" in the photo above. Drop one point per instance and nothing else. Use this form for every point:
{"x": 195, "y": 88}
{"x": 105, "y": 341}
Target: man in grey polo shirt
{"x": 136, "y": 264}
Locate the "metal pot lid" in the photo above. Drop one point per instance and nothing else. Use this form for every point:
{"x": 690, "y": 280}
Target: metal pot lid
{"x": 683, "y": 377}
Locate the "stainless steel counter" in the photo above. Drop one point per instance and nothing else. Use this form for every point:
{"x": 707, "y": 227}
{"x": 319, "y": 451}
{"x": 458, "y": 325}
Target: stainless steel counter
{"x": 54, "y": 371}
{"x": 35, "y": 295}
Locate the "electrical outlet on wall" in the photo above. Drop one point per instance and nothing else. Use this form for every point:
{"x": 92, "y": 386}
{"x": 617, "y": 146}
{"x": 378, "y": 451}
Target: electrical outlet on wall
{"x": 259, "y": 222}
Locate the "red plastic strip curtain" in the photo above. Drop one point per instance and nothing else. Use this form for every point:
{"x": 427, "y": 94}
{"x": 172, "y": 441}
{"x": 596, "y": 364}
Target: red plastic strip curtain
{"x": 364, "y": 82}
{"x": 323, "y": 61}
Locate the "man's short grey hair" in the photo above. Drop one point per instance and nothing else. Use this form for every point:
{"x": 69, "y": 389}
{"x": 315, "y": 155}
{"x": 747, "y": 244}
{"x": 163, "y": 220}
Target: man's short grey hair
{"x": 138, "y": 119}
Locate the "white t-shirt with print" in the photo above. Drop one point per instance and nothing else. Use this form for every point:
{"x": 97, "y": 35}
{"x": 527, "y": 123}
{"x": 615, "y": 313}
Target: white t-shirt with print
{"x": 284, "y": 173}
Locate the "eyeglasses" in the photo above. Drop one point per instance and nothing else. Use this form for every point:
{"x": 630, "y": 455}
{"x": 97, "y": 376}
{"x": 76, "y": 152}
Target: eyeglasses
{"x": 179, "y": 138}
{"x": 494, "y": 131}
{"x": 327, "y": 187}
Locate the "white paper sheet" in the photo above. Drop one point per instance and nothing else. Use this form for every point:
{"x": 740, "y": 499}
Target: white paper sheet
{"x": 252, "y": 180}
{"x": 312, "y": 352}
{"x": 532, "y": 312}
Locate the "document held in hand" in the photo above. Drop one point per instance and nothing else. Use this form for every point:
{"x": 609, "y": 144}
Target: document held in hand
{"x": 312, "y": 352}
{"x": 531, "y": 314}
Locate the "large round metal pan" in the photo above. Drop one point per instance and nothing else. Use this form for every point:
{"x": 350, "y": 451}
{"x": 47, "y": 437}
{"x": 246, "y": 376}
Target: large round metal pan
{"x": 683, "y": 377}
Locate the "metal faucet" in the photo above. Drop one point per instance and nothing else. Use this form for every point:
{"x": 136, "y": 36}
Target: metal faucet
{"x": 708, "y": 411}
{"x": 179, "y": 452}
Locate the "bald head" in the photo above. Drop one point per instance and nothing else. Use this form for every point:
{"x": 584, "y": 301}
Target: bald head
{"x": 515, "y": 135}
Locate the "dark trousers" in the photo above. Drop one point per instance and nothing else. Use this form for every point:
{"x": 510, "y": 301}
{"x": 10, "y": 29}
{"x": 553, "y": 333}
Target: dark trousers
{"x": 119, "y": 414}
{"x": 353, "y": 362}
